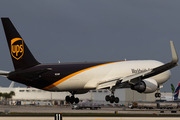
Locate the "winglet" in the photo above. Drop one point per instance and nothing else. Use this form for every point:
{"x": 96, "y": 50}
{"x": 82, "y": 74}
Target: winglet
{"x": 155, "y": 71}
{"x": 174, "y": 54}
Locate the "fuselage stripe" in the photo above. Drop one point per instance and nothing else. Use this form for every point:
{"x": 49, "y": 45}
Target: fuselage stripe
{"x": 73, "y": 74}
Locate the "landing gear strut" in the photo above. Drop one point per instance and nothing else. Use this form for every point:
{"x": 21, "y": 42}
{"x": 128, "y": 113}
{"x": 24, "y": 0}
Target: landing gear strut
{"x": 112, "y": 98}
{"x": 72, "y": 99}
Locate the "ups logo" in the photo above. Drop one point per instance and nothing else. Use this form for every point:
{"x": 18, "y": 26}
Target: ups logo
{"x": 17, "y": 48}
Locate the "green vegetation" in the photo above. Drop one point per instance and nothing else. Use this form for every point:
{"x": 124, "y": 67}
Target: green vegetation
{"x": 6, "y": 96}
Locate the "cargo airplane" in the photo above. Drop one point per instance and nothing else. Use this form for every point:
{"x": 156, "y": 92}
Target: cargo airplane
{"x": 144, "y": 76}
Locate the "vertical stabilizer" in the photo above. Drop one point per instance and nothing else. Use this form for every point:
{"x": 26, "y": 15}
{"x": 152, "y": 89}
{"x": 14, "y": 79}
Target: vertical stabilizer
{"x": 176, "y": 93}
{"x": 172, "y": 88}
{"x": 20, "y": 54}
{"x": 11, "y": 85}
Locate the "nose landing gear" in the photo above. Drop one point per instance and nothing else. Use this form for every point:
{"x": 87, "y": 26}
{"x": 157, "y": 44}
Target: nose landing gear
{"x": 158, "y": 94}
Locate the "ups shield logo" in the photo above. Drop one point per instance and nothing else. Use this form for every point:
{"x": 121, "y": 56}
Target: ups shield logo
{"x": 17, "y": 48}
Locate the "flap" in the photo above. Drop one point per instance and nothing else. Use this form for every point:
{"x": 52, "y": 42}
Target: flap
{"x": 107, "y": 84}
{"x": 136, "y": 78}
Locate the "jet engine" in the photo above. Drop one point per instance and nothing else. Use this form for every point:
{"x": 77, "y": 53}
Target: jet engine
{"x": 146, "y": 86}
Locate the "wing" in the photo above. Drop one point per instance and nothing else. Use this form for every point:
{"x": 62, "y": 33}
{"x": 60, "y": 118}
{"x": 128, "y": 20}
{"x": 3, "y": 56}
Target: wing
{"x": 4, "y": 73}
{"x": 136, "y": 78}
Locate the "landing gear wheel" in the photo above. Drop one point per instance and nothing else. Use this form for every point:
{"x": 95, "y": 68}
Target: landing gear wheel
{"x": 76, "y": 100}
{"x": 116, "y": 100}
{"x": 72, "y": 99}
{"x": 157, "y": 94}
{"x": 111, "y": 101}
{"x": 67, "y": 99}
{"x": 112, "y": 98}
{"x": 107, "y": 98}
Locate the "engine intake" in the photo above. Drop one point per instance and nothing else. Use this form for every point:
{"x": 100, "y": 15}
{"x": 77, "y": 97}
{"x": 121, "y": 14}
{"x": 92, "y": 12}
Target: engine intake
{"x": 146, "y": 86}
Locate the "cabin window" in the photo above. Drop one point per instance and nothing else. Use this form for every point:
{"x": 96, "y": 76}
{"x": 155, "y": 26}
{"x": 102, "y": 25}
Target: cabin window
{"x": 56, "y": 74}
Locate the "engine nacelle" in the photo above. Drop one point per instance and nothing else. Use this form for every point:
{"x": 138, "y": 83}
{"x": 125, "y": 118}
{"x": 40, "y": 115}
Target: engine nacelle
{"x": 146, "y": 86}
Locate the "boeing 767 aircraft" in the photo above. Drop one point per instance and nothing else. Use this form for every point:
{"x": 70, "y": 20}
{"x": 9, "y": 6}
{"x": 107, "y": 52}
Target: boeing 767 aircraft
{"x": 144, "y": 76}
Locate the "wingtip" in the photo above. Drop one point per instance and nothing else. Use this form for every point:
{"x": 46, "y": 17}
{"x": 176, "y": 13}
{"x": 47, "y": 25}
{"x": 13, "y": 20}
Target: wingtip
{"x": 175, "y": 58}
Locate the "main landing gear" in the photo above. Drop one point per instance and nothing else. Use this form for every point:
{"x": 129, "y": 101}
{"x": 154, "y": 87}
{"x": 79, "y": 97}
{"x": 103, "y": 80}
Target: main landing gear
{"x": 112, "y": 98}
{"x": 72, "y": 99}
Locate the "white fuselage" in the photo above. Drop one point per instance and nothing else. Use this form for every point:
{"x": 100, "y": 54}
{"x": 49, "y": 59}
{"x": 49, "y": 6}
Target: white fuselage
{"x": 90, "y": 78}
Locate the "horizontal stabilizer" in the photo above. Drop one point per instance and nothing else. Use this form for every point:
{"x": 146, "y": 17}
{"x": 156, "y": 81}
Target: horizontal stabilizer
{"x": 11, "y": 85}
{"x": 4, "y": 73}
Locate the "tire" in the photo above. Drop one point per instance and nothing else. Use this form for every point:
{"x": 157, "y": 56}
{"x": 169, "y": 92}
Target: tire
{"x": 116, "y": 100}
{"x": 107, "y": 98}
{"x": 76, "y": 100}
{"x": 67, "y": 99}
{"x": 112, "y": 98}
{"x": 156, "y": 95}
{"x": 72, "y": 99}
{"x": 159, "y": 94}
